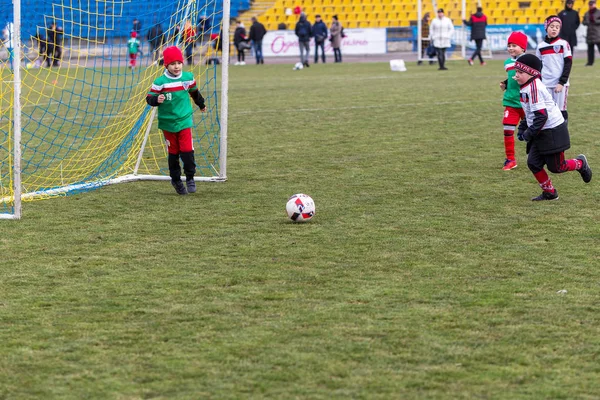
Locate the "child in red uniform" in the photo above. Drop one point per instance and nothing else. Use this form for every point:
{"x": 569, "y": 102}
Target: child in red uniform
{"x": 513, "y": 112}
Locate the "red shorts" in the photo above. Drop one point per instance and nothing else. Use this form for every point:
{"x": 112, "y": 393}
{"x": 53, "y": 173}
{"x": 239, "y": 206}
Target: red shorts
{"x": 179, "y": 142}
{"x": 512, "y": 116}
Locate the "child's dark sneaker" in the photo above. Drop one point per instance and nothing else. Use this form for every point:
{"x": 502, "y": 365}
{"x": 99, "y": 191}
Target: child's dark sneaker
{"x": 191, "y": 185}
{"x": 547, "y": 196}
{"x": 585, "y": 170}
{"x": 179, "y": 187}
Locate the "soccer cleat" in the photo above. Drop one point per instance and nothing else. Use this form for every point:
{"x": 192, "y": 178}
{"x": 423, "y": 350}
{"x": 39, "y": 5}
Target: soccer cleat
{"x": 470, "y": 62}
{"x": 179, "y": 187}
{"x": 585, "y": 170}
{"x": 546, "y": 196}
{"x": 191, "y": 185}
{"x": 483, "y": 63}
{"x": 509, "y": 164}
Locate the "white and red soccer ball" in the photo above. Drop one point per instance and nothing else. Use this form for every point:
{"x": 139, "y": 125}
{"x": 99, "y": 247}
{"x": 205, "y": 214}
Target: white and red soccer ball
{"x": 300, "y": 207}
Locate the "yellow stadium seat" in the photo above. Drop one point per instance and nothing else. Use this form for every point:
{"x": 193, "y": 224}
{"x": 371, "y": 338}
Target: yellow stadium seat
{"x": 522, "y": 20}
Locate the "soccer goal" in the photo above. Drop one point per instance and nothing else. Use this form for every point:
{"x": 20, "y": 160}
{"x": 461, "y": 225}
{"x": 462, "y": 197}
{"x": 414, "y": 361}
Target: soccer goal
{"x": 461, "y": 35}
{"x": 73, "y": 115}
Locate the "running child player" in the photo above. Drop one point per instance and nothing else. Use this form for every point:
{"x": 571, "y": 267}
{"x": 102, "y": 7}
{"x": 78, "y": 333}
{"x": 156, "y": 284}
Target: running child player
{"x": 133, "y": 46}
{"x": 513, "y": 112}
{"x": 170, "y": 92}
{"x": 557, "y": 60}
{"x": 544, "y": 129}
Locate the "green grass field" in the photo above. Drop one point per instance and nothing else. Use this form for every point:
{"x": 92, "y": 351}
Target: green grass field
{"x": 426, "y": 273}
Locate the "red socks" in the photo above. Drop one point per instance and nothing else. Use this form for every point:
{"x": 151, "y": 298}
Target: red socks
{"x": 509, "y": 144}
{"x": 544, "y": 181}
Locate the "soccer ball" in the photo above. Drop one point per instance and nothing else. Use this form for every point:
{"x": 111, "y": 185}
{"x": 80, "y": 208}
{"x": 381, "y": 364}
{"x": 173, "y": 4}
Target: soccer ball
{"x": 300, "y": 207}
{"x": 298, "y": 66}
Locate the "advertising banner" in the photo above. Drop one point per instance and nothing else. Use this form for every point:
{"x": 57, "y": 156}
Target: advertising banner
{"x": 357, "y": 41}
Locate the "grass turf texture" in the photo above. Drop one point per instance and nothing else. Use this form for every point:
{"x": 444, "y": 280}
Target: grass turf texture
{"x": 426, "y": 273}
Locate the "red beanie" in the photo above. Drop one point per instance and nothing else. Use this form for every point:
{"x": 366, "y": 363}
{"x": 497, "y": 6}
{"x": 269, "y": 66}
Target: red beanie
{"x": 133, "y": 34}
{"x": 518, "y": 38}
{"x": 172, "y": 54}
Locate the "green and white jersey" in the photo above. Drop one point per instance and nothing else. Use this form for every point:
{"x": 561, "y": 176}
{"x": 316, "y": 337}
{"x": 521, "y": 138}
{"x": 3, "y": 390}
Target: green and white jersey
{"x": 512, "y": 95}
{"x": 133, "y": 45}
{"x": 175, "y": 113}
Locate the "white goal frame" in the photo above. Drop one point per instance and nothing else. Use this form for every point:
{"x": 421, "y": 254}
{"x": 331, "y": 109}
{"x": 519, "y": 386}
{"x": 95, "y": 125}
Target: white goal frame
{"x": 16, "y": 200}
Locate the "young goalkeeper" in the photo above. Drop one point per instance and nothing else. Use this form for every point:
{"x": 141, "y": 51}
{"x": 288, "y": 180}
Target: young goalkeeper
{"x": 544, "y": 129}
{"x": 169, "y": 93}
{"x": 513, "y": 112}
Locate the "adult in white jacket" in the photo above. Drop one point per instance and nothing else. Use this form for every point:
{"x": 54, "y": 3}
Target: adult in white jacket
{"x": 440, "y": 34}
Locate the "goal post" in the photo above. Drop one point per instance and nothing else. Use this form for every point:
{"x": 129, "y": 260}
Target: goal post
{"x": 461, "y": 34}
{"x": 73, "y": 114}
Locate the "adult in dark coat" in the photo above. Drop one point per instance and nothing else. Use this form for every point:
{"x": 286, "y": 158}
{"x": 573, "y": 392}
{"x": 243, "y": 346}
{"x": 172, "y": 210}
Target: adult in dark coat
{"x": 240, "y": 41}
{"x": 257, "y": 33}
{"x": 54, "y": 36}
{"x": 319, "y": 32}
{"x": 591, "y": 19}
{"x": 570, "y": 23}
{"x": 155, "y": 37}
{"x": 478, "y": 23}
{"x": 303, "y": 31}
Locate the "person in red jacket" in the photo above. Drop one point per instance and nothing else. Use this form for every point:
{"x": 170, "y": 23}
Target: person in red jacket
{"x": 478, "y": 23}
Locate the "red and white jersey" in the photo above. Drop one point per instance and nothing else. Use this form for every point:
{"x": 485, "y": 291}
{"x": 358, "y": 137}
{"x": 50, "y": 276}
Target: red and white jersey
{"x": 553, "y": 56}
{"x": 535, "y": 97}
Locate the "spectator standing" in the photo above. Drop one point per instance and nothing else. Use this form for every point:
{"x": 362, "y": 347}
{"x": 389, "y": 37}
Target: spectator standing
{"x": 8, "y": 35}
{"x": 336, "y": 30}
{"x": 570, "y": 23}
{"x": 257, "y": 33}
{"x": 591, "y": 19}
{"x": 189, "y": 39}
{"x": 54, "y": 45}
{"x": 41, "y": 41}
{"x": 478, "y": 23}
{"x": 204, "y": 27}
{"x": 155, "y": 38}
{"x": 319, "y": 32}
{"x": 425, "y": 42}
{"x": 137, "y": 26}
{"x": 240, "y": 41}
{"x": 303, "y": 32}
{"x": 440, "y": 34}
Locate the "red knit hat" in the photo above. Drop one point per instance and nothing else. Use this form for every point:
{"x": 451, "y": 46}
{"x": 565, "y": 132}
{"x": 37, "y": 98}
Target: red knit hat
{"x": 172, "y": 54}
{"x": 518, "y": 38}
{"x": 134, "y": 34}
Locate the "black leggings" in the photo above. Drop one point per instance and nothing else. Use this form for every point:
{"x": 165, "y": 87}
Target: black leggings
{"x": 441, "y": 55}
{"x": 591, "y": 51}
{"x": 477, "y": 52}
{"x": 241, "y": 55}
